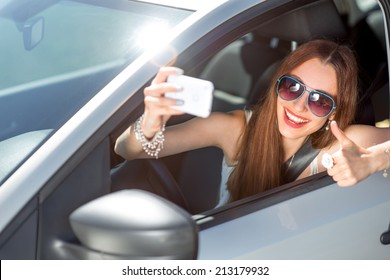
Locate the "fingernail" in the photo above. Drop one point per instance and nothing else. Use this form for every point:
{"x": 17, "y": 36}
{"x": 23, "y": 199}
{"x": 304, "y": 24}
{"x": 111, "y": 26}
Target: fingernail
{"x": 179, "y": 102}
{"x": 178, "y": 88}
{"x": 179, "y": 71}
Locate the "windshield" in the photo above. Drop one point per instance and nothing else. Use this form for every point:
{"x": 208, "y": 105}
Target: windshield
{"x": 56, "y": 55}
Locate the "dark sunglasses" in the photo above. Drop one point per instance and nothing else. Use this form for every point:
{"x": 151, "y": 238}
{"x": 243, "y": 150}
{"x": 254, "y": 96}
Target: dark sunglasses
{"x": 319, "y": 103}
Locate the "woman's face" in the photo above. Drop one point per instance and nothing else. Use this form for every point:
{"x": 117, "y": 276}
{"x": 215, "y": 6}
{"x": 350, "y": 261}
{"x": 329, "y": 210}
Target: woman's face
{"x": 295, "y": 119}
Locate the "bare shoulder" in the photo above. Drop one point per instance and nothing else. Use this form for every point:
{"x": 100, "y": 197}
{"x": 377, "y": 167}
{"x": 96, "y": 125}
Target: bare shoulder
{"x": 232, "y": 116}
{"x": 229, "y": 128}
{"x": 216, "y": 130}
{"x": 227, "y": 122}
{"x": 231, "y": 121}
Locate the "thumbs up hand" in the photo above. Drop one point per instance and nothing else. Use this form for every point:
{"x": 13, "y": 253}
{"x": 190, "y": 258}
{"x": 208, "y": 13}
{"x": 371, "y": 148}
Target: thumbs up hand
{"x": 352, "y": 163}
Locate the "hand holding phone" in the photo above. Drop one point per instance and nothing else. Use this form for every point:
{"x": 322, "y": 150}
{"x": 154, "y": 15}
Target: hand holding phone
{"x": 197, "y": 95}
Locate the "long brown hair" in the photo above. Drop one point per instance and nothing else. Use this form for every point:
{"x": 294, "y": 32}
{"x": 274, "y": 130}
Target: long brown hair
{"x": 261, "y": 154}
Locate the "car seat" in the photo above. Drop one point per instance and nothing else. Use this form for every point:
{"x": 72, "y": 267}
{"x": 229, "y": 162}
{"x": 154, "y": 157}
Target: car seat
{"x": 231, "y": 81}
{"x": 317, "y": 20}
{"x": 369, "y": 27}
{"x": 241, "y": 72}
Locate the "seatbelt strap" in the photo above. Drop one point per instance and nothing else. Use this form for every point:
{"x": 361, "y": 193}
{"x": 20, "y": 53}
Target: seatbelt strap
{"x": 303, "y": 157}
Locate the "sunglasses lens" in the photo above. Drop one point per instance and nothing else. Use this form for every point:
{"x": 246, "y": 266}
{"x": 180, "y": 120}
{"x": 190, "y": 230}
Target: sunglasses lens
{"x": 289, "y": 89}
{"x": 321, "y": 105}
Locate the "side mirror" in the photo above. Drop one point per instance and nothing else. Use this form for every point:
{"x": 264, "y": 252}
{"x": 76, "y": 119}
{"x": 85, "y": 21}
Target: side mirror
{"x": 135, "y": 224}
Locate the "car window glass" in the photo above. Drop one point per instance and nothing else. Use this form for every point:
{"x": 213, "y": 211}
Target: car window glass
{"x": 56, "y": 55}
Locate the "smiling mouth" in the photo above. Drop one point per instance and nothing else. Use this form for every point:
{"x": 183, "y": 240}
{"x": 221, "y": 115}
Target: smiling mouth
{"x": 294, "y": 118}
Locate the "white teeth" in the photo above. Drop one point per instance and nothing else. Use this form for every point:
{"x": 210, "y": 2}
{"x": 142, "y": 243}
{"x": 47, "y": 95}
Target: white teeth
{"x": 294, "y": 118}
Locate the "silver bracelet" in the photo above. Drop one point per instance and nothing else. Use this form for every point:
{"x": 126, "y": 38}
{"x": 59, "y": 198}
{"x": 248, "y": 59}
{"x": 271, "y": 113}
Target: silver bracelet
{"x": 387, "y": 152}
{"x": 154, "y": 146}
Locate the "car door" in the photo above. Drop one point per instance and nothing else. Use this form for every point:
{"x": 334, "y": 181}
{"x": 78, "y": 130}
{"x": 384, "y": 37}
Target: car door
{"x": 318, "y": 221}
{"x": 42, "y": 227}
{"x": 287, "y": 222}
{"x": 308, "y": 219}
{"x": 312, "y": 218}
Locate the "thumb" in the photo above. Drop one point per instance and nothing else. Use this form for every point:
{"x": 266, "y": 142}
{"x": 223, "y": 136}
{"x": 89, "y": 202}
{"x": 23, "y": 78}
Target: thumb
{"x": 340, "y": 135}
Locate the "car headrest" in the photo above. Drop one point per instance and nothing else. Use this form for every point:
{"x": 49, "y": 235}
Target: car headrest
{"x": 319, "y": 19}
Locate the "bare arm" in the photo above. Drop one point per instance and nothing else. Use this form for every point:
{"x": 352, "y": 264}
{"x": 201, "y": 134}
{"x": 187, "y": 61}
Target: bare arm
{"x": 362, "y": 151}
{"x": 220, "y": 129}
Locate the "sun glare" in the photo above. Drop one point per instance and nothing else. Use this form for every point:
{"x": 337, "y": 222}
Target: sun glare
{"x": 152, "y": 35}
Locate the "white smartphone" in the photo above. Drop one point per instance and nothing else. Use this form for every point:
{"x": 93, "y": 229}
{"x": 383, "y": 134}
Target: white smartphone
{"x": 197, "y": 95}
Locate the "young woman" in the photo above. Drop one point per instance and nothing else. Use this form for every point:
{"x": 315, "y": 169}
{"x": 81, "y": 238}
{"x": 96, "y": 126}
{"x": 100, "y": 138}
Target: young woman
{"x": 315, "y": 84}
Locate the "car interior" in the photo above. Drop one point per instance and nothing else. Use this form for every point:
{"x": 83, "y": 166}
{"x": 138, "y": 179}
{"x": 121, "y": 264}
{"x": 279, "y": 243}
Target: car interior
{"x": 240, "y": 72}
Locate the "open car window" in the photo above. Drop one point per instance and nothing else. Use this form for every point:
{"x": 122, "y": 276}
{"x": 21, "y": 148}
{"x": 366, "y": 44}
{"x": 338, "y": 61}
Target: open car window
{"x": 241, "y": 70}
